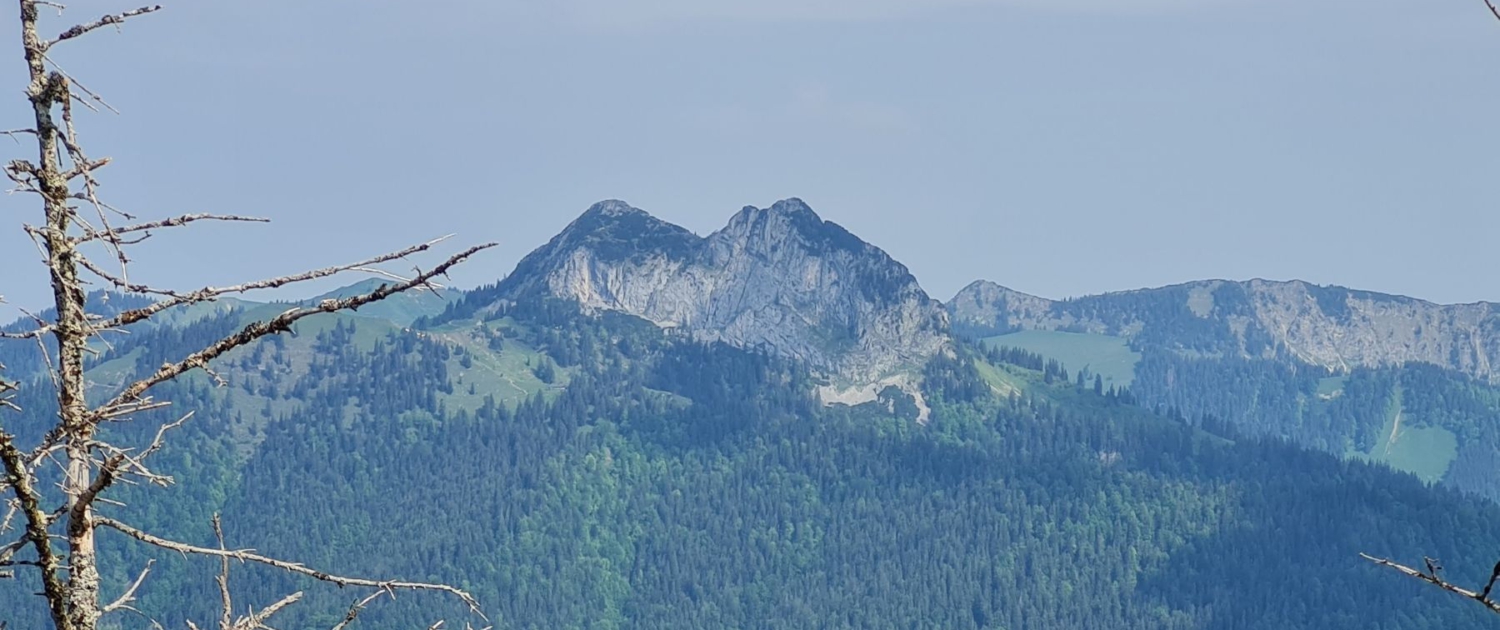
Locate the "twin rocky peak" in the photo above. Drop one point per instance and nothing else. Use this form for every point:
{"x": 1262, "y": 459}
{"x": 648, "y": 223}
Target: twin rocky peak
{"x": 784, "y": 280}
{"x": 780, "y": 279}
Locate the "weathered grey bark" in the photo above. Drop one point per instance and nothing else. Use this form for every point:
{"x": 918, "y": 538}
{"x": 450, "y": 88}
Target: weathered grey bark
{"x": 79, "y": 607}
{"x": 63, "y": 176}
{"x": 1433, "y": 575}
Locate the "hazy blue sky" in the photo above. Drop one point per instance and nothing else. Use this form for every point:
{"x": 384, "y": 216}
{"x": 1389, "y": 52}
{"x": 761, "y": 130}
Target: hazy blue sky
{"x": 1060, "y": 148}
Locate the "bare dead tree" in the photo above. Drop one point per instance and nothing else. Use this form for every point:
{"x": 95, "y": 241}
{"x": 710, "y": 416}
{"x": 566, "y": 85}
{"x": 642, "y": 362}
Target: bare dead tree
{"x": 62, "y": 537}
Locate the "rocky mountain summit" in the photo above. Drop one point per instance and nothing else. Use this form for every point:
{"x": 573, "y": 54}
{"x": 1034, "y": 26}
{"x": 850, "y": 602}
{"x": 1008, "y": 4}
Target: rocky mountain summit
{"x": 779, "y": 278}
{"x": 1327, "y": 326}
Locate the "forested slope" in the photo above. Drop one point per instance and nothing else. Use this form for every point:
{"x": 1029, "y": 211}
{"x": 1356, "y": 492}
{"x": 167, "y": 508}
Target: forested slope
{"x": 674, "y": 484}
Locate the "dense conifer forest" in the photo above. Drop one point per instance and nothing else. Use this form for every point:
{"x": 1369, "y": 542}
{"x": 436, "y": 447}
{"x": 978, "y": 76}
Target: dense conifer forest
{"x": 660, "y": 482}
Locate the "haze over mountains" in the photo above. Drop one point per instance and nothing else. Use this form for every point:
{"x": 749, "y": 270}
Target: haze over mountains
{"x": 1327, "y": 326}
{"x": 774, "y": 426}
{"x": 783, "y": 278}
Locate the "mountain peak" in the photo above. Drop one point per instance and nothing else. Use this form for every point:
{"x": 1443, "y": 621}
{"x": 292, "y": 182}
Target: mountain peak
{"x": 790, "y": 220}
{"x": 781, "y": 278}
{"x": 615, "y": 229}
{"x": 613, "y": 208}
{"x": 793, "y": 206}
{"x": 985, "y": 307}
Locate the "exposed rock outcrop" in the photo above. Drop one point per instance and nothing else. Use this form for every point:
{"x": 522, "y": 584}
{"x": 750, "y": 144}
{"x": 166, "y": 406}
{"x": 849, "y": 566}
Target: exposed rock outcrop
{"x": 1328, "y": 326}
{"x": 779, "y": 278}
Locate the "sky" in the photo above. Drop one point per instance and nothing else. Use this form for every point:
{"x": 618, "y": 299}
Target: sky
{"x": 1059, "y": 148}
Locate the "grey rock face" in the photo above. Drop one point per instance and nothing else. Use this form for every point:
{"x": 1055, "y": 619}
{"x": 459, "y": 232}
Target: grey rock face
{"x": 779, "y": 278}
{"x": 1327, "y": 326}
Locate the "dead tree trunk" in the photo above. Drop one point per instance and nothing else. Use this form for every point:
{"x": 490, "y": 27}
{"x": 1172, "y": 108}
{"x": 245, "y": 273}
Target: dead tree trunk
{"x": 64, "y": 178}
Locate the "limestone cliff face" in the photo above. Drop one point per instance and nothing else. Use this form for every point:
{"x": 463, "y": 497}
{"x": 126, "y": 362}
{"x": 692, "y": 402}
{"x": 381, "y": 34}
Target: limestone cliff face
{"x": 1328, "y": 326}
{"x": 778, "y": 278}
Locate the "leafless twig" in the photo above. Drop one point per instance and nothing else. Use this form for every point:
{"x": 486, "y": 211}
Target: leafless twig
{"x": 209, "y": 293}
{"x": 19, "y": 478}
{"x": 256, "y": 619}
{"x": 359, "y": 606}
{"x": 1431, "y": 577}
{"x": 112, "y": 19}
{"x": 290, "y": 567}
{"x": 281, "y": 323}
{"x": 128, "y": 597}
{"x": 226, "y": 618}
{"x": 168, "y": 223}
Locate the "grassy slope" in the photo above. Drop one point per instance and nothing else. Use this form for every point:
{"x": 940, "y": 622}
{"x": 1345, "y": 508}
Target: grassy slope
{"x": 1331, "y": 387}
{"x": 505, "y": 374}
{"x": 1424, "y": 451}
{"x": 1003, "y": 379}
{"x": 1104, "y": 355}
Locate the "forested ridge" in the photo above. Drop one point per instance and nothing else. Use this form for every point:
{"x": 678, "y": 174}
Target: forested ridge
{"x": 1198, "y": 350}
{"x": 1363, "y": 412}
{"x": 595, "y": 472}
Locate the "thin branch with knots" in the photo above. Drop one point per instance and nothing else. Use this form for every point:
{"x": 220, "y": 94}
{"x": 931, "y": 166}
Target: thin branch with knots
{"x": 281, "y": 323}
{"x": 108, "y": 20}
{"x": 1431, "y": 577}
{"x": 291, "y": 567}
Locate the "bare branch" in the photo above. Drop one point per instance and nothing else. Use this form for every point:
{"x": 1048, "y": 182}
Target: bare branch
{"x": 112, "y": 19}
{"x": 19, "y": 478}
{"x": 30, "y": 334}
{"x": 106, "y": 477}
{"x": 167, "y": 223}
{"x": 281, "y": 323}
{"x": 1432, "y": 578}
{"x": 209, "y": 293}
{"x": 1490, "y": 586}
{"x": 110, "y": 470}
{"x": 246, "y": 555}
{"x": 41, "y": 330}
{"x": 118, "y": 282}
{"x": 9, "y": 551}
{"x": 161, "y": 432}
{"x": 6, "y": 388}
{"x": 67, "y": 97}
{"x": 16, "y": 132}
{"x": 256, "y": 620}
{"x": 12, "y": 507}
{"x": 128, "y": 596}
{"x": 86, "y": 167}
{"x": 226, "y": 619}
{"x": 1495, "y": 11}
{"x": 359, "y": 606}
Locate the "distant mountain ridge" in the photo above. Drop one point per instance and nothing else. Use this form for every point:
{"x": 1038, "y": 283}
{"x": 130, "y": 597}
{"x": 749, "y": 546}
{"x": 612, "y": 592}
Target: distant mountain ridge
{"x": 1327, "y": 326}
{"x": 402, "y": 308}
{"x": 575, "y": 470}
{"x": 779, "y": 278}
